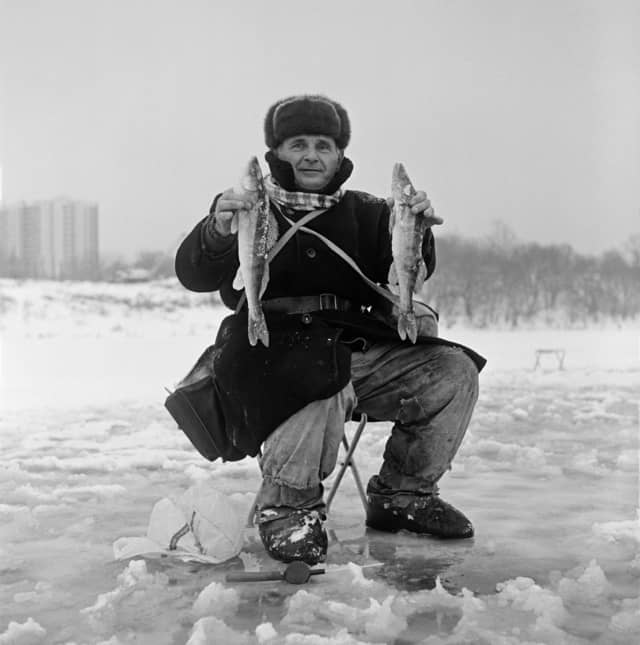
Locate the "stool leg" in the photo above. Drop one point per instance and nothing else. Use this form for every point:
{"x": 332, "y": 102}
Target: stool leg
{"x": 356, "y": 476}
{"x": 251, "y": 518}
{"x": 348, "y": 461}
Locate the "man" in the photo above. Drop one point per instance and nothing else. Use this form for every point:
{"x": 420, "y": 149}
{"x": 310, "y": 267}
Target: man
{"x": 329, "y": 354}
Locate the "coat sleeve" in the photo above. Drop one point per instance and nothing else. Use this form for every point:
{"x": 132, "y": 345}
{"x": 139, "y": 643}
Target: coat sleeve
{"x": 200, "y": 267}
{"x": 429, "y": 251}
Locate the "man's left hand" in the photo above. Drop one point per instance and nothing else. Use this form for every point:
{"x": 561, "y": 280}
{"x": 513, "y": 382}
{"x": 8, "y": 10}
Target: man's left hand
{"x": 421, "y": 204}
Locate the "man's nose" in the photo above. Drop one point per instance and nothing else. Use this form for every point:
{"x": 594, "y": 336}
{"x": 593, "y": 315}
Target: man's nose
{"x": 311, "y": 155}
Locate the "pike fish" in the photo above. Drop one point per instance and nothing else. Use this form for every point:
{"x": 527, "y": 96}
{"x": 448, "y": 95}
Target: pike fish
{"x": 257, "y": 233}
{"x": 408, "y": 271}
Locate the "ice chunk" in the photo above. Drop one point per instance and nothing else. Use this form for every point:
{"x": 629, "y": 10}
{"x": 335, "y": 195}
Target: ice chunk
{"x": 358, "y": 577}
{"x": 620, "y": 530}
{"x": 524, "y": 594}
{"x": 591, "y": 587}
{"x": 587, "y": 463}
{"x": 136, "y": 602}
{"x": 520, "y": 414}
{"x": 265, "y": 632}
{"x": 216, "y": 600}
{"x": 377, "y": 622}
{"x": 213, "y": 630}
{"x": 627, "y": 620}
{"x": 381, "y": 624}
{"x": 529, "y": 458}
{"x": 249, "y": 561}
{"x": 628, "y": 460}
{"x": 27, "y": 633}
{"x": 341, "y": 637}
{"x": 42, "y": 591}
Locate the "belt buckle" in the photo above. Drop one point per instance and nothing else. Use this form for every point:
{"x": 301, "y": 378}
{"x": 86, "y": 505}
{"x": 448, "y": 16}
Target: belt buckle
{"x": 328, "y": 301}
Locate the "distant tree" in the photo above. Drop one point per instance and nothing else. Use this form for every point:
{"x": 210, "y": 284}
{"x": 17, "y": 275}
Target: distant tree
{"x": 620, "y": 297}
{"x": 159, "y": 264}
{"x": 632, "y": 250}
{"x": 501, "y": 280}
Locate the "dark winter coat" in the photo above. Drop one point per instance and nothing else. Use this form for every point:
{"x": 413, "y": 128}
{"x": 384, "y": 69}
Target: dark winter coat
{"x": 309, "y": 357}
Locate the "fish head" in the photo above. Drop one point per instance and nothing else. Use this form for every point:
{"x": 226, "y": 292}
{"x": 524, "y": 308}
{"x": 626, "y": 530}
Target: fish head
{"x": 401, "y": 187}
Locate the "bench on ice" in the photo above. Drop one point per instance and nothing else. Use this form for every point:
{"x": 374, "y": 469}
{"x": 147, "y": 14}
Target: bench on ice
{"x": 559, "y": 353}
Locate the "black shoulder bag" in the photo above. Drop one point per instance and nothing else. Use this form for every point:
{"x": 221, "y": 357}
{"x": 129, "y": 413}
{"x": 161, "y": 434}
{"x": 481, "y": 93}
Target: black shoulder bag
{"x": 195, "y": 402}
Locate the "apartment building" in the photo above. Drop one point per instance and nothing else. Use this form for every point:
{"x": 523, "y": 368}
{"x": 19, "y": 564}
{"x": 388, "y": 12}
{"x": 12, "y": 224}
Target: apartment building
{"x": 55, "y": 239}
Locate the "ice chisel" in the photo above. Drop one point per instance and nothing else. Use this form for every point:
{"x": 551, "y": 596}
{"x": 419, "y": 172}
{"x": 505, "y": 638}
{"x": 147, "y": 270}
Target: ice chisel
{"x": 296, "y": 573}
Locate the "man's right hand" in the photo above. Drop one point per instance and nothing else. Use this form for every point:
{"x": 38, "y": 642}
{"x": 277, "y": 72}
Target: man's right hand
{"x": 227, "y": 206}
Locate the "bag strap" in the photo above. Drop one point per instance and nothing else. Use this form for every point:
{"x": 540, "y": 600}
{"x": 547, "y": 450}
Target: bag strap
{"x": 393, "y": 299}
{"x": 286, "y": 236}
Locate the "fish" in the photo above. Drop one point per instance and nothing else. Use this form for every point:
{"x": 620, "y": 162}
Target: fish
{"x": 257, "y": 231}
{"x": 408, "y": 271}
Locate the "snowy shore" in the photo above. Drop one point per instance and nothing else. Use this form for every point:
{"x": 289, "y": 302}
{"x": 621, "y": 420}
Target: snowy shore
{"x": 548, "y": 472}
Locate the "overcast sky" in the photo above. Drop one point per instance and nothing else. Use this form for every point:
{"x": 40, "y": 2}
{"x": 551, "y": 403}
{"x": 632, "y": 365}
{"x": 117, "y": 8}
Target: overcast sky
{"x": 525, "y": 111}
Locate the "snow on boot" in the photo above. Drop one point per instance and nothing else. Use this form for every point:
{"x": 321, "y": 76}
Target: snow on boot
{"x": 298, "y": 535}
{"x": 418, "y": 513}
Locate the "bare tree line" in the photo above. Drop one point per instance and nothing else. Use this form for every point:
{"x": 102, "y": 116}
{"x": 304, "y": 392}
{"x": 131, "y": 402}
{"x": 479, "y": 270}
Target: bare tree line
{"x": 502, "y": 281}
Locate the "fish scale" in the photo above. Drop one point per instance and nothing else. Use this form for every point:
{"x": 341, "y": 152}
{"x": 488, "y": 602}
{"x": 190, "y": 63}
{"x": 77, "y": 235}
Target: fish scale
{"x": 408, "y": 271}
{"x": 257, "y": 233}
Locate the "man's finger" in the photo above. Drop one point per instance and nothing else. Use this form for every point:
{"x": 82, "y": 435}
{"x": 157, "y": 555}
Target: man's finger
{"x": 233, "y": 205}
{"x": 420, "y": 196}
{"x": 421, "y": 207}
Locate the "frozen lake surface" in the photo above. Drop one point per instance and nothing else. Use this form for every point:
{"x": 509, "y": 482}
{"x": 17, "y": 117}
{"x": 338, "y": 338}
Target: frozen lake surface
{"x": 548, "y": 472}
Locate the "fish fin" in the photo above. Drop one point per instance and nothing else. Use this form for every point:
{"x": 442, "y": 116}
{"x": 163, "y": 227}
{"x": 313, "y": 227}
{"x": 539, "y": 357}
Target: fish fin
{"x": 421, "y": 277}
{"x": 257, "y": 328}
{"x": 392, "y": 278}
{"x": 392, "y": 219}
{"x": 238, "y": 281}
{"x": 234, "y": 223}
{"x": 265, "y": 281}
{"x": 407, "y": 326}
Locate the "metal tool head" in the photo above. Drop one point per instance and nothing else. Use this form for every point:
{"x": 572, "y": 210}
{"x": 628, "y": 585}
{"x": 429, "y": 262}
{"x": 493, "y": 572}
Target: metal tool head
{"x": 299, "y": 572}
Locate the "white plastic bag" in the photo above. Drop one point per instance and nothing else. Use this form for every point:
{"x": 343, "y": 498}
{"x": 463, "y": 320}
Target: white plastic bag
{"x": 200, "y": 525}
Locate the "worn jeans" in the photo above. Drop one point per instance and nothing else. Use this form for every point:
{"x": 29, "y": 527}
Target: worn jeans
{"x": 429, "y": 391}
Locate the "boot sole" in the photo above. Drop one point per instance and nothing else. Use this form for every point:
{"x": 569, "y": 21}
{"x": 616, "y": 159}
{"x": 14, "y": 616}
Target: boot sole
{"x": 390, "y": 523}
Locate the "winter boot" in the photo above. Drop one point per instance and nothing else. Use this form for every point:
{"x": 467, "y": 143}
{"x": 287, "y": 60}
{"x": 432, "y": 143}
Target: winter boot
{"x": 296, "y": 535}
{"x": 416, "y": 512}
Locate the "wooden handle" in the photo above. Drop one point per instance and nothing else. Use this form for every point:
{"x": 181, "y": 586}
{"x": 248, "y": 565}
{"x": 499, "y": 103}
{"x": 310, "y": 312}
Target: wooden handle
{"x": 253, "y": 576}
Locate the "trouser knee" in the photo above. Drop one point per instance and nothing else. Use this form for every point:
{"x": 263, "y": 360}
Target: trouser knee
{"x": 451, "y": 386}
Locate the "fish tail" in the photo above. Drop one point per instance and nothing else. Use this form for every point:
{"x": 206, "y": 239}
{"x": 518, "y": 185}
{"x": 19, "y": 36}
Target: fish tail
{"x": 407, "y": 326}
{"x": 257, "y": 328}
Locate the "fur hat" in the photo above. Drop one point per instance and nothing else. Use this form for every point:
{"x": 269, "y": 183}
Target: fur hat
{"x": 306, "y": 114}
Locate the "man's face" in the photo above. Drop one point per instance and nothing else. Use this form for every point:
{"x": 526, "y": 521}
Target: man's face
{"x": 314, "y": 158}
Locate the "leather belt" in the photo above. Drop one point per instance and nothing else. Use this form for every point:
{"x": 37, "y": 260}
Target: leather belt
{"x": 307, "y": 304}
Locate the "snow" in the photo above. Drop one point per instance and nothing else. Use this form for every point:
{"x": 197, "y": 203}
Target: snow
{"x": 548, "y": 472}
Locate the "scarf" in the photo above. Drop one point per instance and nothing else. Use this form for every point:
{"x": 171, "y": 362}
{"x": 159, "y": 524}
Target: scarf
{"x": 300, "y": 201}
